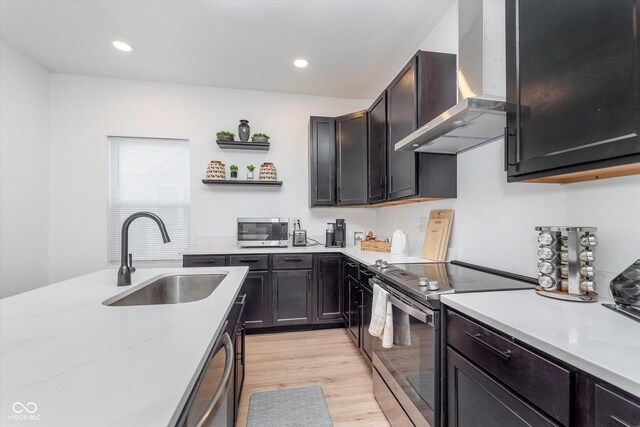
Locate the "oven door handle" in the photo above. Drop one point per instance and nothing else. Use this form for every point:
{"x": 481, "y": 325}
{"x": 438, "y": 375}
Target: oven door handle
{"x": 412, "y": 311}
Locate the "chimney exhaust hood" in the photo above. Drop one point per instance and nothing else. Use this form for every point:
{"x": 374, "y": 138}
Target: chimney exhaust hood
{"x": 479, "y": 116}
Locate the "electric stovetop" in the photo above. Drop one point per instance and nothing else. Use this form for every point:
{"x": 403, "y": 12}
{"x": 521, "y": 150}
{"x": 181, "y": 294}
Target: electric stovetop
{"x": 453, "y": 277}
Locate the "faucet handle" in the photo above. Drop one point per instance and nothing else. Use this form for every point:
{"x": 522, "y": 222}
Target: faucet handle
{"x": 131, "y": 267}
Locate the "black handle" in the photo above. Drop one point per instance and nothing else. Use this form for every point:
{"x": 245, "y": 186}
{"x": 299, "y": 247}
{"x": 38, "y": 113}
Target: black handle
{"x": 354, "y": 265}
{"x": 293, "y": 259}
{"x": 366, "y": 273}
{"x": 506, "y": 148}
{"x": 477, "y": 337}
{"x": 512, "y": 154}
{"x": 249, "y": 260}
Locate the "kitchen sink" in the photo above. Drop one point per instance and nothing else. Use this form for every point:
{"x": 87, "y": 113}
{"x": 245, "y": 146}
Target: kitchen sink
{"x": 176, "y": 289}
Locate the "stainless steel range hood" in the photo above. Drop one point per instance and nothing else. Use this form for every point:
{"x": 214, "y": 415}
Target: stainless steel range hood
{"x": 479, "y": 116}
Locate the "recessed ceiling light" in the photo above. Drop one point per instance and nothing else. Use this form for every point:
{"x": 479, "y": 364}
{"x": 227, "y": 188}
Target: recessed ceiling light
{"x": 125, "y": 47}
{"x": 301, "y": 63}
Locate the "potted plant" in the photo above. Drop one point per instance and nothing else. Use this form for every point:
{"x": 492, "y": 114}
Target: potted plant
{"x": 234, "y": 171}
{"x": 223, "y": 135}
{"x": 250, "y": 168}
{"x": 260, "y": 137}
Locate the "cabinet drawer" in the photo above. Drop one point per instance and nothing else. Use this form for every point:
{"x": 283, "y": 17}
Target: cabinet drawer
{"x": 292, "y": 261}
{"x": 351, "y": 268}
{"x": 540, "y": 381}
{"x": 254, "y": 262}
{"x": 204, "y": 261}
{"x": 614, "y": 410}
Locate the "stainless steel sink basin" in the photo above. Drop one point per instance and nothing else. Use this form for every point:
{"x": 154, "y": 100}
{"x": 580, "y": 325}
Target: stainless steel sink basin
{"x": 176, "y": 289}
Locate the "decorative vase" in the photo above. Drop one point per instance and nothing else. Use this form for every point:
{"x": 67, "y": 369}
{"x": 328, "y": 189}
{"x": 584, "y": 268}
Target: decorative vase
{"x": 244, "y": 130}
{"x": 249, "y": 176}
{"x": 216, "y": 170}
{"x": 268, "y": 172}
{"x": 234, "y": 174}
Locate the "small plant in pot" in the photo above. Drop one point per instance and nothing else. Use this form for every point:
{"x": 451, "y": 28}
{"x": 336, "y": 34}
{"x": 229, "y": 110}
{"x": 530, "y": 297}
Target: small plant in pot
{"x": 250, "y": 169}
{"x": 223, "y": 135}
{"x": 260, "y": 137}
{"x": 234, "y": 171}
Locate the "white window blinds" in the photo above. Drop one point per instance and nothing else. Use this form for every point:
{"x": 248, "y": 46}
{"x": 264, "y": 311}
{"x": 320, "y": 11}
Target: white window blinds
{"x": 149, "y": 175}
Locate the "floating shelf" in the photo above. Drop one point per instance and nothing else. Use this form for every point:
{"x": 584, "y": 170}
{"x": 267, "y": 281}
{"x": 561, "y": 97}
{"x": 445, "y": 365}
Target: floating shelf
{"x": 239, "y": 145}
{"x": 242, "y": 182}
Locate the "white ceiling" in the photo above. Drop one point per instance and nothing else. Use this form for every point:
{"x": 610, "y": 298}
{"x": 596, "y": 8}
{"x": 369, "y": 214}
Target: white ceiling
{"x": 354, "y": 47}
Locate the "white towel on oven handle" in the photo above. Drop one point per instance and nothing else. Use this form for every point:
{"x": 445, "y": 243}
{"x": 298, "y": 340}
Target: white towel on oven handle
{"x": 387, "y": 334}
{"x": 378, "y": 311}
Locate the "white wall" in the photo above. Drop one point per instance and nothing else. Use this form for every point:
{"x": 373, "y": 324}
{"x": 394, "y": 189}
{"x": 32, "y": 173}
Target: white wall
{"x": 494, "y": 221}
{"x": 24, "y": 166}
{"x": 85, "y": 110}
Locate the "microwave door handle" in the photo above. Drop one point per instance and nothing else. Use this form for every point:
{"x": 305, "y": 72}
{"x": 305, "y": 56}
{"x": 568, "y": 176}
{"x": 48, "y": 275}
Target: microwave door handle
{"x": 414, "y": 312}
{"x": 229, "y": 359}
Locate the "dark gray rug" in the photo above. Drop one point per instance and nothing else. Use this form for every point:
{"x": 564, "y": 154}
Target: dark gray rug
{"x": 423, "y": 385}
{"x": 292, "y": 407}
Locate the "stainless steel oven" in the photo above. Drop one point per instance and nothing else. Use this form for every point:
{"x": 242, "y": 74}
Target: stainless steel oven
{"x": 259, "y": 232}
{"x": 406, "y": 377}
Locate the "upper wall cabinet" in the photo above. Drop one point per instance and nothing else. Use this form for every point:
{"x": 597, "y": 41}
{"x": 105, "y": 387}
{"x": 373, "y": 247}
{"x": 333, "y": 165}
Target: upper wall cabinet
{"x": 322, "y": 161}
{"x": 377, "y": 156}
{"x": 425, "y": 88}
{"x": 351, "y": 143}
{"x": 573, "y": 89}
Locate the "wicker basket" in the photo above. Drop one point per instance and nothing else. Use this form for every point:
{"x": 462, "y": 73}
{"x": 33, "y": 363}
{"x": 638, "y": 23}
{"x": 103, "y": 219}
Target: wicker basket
{"x": 375, "y": 246}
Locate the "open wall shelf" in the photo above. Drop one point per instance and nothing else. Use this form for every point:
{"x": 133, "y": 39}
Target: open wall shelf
{"x": 239, "y": 145}
{"x": 242, "y": 182}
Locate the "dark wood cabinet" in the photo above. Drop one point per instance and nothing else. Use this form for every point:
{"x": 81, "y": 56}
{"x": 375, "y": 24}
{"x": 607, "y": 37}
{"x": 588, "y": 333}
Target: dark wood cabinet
{"x": 322, "y": 161}
{"x": 351, "y": 143}
{"x": 476, "y": 399}
{"x": 614, "y": 410}
{"x": 258, "y": 301}
{"x": 424, "y": 89}
{"x": 573, "y": 92}
{"x": 204, "y": 260}
{"x": 366, "y": 302}
{"x": 353, "y": 313}
{"x": 292, "y": 297}
{"x": 377, "y": 150}
{"x": 329, "y": 283}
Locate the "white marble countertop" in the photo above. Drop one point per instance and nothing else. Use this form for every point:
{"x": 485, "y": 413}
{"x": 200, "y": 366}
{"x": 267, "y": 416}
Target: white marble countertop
{"x": 83, "y": 363}
{"x": 586, "y": 335}
{"x": 354, "y": 252}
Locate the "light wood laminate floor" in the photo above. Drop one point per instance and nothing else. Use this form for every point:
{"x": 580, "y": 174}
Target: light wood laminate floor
{"x": 326, "y": 358}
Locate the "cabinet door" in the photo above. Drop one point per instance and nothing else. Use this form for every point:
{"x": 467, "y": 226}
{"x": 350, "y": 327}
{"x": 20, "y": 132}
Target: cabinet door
{"x": 351, "y": 135}
{"x": 322, "y": 159}
{"x": 258, "y": 303}
{"x": 377, "y": 164}
{"x": 329, "y": 287}
{"x": 576, "y": 89}
{"x": 346, "y": 307}
{"x": 354, "y": 310}
{"x": 204, "y": 260}
{"x": 612, "y": 410}
{"x": 476, "y": 399}
{"x": 366, "y": 340}
{"x": 402, "y": 120}
{"x": 292, "y": 297}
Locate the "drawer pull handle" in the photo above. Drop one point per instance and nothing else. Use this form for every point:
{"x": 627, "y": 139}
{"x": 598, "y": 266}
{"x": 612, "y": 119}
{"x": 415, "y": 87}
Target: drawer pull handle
{"x": 249, "y": 260}
{"x": 620, "y": 421}
{"x": 293, "y": 259}
{"x": 352, "y": 265}
{"x": 477, "y": 337}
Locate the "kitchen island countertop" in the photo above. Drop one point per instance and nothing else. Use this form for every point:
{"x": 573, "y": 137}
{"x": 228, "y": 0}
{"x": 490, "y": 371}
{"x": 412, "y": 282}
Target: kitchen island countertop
{"x": 82, "y": 363}
{"x": 588, "y": 336}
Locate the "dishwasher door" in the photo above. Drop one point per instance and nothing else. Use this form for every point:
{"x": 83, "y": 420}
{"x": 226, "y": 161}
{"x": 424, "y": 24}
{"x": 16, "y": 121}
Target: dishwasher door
{"x": 211, "y": 403}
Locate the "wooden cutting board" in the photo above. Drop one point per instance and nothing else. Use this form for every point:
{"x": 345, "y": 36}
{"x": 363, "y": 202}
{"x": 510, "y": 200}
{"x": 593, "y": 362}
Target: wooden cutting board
{"x": 436, "y": 241}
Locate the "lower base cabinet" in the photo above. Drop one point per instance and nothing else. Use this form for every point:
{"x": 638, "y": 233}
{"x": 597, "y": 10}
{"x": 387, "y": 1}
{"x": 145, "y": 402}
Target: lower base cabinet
{"x": 292, "y": 297}
{"x": 258, "y": 303}
{"x": 366, "y": 340}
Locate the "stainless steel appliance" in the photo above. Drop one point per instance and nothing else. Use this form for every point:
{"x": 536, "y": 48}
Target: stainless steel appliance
{"x": 299, "y": 235}
{"x": 336, "y": 236}
{"x": 626, "y": 292}
{"x": 566, "y": 263}
{"x": 259, "y": 232}
{"x": 407, "y": 378}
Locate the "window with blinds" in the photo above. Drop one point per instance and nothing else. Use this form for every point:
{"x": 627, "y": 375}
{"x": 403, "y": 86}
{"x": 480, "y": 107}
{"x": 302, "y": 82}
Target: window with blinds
{"x": 149, "y": 175}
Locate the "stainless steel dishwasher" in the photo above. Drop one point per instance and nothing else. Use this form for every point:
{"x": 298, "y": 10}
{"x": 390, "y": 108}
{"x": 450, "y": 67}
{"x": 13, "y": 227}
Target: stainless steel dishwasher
{"x": 211, "y": 404}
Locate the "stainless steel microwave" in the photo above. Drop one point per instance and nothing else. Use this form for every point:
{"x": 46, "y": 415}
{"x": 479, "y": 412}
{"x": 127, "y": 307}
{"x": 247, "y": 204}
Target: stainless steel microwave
{"x": 260, "y": 232}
